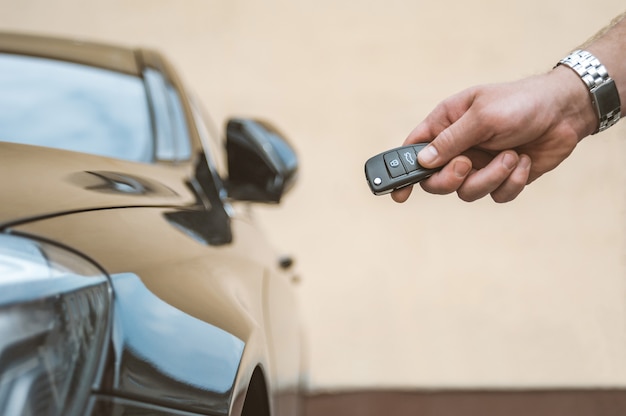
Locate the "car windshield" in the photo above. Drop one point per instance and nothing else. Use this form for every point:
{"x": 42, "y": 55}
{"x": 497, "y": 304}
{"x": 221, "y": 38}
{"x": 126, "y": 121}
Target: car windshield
{"x": 75, "y": 107}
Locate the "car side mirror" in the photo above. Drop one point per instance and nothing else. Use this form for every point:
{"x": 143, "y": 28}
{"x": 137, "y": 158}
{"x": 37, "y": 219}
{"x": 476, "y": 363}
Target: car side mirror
{"x": 262, "y": 165}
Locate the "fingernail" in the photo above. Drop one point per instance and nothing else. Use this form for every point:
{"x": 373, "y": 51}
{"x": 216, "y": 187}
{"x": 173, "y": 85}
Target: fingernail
{"x": 524, "y": 162}
{"x": 428, "y": 154}
{"x": 461, "y": 168}
{"x": 509, "y": 161}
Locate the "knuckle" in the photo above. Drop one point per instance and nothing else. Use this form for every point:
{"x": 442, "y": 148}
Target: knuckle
{"x": 447, "y": 142}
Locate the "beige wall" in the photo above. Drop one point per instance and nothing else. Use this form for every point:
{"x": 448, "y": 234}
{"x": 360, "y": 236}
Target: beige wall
{"x": 435, "y": 292}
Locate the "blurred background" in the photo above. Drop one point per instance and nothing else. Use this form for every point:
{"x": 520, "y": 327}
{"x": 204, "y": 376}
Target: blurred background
{"x": 434, "y": 293}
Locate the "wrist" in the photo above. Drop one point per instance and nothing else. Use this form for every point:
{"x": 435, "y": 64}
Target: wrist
{"x": 572, "y": 101}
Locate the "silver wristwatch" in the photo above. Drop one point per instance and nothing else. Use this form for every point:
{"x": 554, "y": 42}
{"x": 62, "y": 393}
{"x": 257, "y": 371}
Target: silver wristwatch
{"x": 602, "y": 89}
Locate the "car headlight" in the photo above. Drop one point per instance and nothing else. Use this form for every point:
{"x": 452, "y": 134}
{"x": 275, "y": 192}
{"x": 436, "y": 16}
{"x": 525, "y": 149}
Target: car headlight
{"x": 54, "y": 314}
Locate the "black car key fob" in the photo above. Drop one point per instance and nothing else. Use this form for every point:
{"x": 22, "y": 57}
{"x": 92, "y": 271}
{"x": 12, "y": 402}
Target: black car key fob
{"x": 395, "y": 169}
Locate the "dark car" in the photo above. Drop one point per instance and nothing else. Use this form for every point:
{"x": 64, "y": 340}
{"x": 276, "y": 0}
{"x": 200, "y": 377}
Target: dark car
{"x": 133, "y": 279}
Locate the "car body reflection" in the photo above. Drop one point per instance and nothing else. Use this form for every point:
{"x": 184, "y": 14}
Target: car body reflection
{"x": 150, "y": 354}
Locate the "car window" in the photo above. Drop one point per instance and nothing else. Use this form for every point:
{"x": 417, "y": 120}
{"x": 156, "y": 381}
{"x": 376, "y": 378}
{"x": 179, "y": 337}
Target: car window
{"x": 171, "y": 130}
{"x": 75, "y": 107}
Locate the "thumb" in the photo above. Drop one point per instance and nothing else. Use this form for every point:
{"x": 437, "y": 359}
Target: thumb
{"x": 451, "y": 142}
{"x": 442, "y": 149}
{"x": 429, "y": 156}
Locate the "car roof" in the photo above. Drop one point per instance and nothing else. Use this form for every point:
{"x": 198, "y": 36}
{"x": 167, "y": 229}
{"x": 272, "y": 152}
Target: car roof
{"x": 116, "y": 58}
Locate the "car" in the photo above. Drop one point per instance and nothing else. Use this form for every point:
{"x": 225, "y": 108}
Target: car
{"x": 134, "y": 278}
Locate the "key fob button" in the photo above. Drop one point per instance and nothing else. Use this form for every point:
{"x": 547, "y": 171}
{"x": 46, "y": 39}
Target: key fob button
{"x": 418, "y": 147}
{"x": 395, "y": 169}
{"x": 409, "y": 159}
{"x": 394, "y": 165}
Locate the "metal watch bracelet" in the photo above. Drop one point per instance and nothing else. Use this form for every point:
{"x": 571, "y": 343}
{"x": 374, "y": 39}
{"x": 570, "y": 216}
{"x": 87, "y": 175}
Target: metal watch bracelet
{"x": 602, "y": 88}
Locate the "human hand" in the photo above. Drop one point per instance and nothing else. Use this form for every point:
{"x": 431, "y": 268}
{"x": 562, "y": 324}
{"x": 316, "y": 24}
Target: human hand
{"x": 496, "y": 139}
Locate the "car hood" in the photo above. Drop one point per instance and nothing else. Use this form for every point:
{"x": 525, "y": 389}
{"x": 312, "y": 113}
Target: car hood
{"x": 41, "y": 182}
